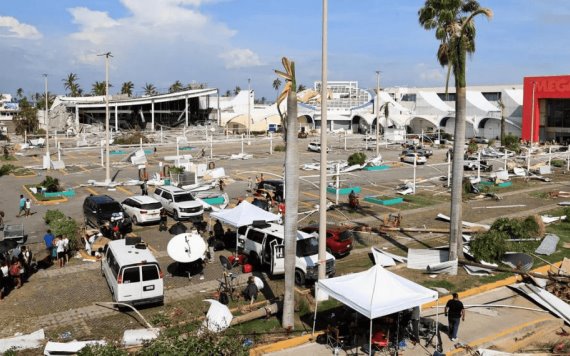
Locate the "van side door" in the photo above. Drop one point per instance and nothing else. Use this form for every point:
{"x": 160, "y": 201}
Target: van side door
{"x": 277, "y": 265}
{"x": 152, "y": 283}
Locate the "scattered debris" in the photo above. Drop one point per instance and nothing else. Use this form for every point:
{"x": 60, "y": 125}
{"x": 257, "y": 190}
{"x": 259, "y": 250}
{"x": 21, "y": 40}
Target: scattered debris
{"x": 22, "y": 342}
{"x": 465, "y": 223}
{"x": 68, "y": 348}
{"x": 422, "y": 258}
{"x": 549, "y": 219}
{"x": 546, "y": 299}
{"x": 500, "y": 206}
{"x": 218, "y": 318}
{"x": 241, "y": 156}
{"x": 449, "y": 267}
{"x": 548, "y": 245}
{"x": 136, "y": 337}
{"x": 518, "y": 260}
{"x": 382, "y": 259}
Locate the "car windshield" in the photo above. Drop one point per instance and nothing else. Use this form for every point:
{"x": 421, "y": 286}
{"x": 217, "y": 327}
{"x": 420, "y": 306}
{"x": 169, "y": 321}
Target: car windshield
{"x": 109, "y": 208}
{"x": 307, "y": 247}
{"x": 183, "y": 197}
{"x": 345, "y": 235}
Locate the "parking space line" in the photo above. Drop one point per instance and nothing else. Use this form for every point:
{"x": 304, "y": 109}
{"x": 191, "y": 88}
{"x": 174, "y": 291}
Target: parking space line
{"x": 373, "y": 191}
{"x": 126, "y": 191}
{"x": 311, "y": 195}
{"x": 90, "y": 190}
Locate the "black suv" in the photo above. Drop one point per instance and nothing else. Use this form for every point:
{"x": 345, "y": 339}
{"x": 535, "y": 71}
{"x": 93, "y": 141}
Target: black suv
{"x": 275, "y": 186}
{"x": 98, "y": 209}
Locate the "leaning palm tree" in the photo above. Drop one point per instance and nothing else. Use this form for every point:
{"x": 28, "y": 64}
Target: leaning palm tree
{"x": 276, "y": 84}
{"x": 301, "y": 88}
{"x": 291, "y": 189}
{"x": 453, "y": 22}
{"x": 70, "y": 84}
{"x": 98, "y": 88}
{"x": 501, "y": 106}
{"x": 176, "y": 86}
{"x": 20, "y": 93}
{"x": 149, "y": 89}
{"x": 237, "y": 89}
{"x": 127, "y": 88}
{"x": 228, "y": 93}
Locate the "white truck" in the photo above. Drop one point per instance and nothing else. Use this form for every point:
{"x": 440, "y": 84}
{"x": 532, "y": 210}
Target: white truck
{"x": 263, "y": 243}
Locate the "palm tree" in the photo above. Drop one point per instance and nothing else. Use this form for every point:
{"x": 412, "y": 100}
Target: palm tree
{"x": 291, "y": 190}
{"x": 176, "y": 86}
{"x": 98, "y": 88}
{"x": 455, "y": 30}
{"x": 237, "y": 89}
{"x": 70, "y": 83}
{"x": 20, "y": 93}
{"x": 127, "y": 88}
{"x": 276, "y": 84}
{"x": 228, "y": 93}
{"x": 301, "y": 88}
{"x": 503, "y": 119}
{"x": 149, "y": 89}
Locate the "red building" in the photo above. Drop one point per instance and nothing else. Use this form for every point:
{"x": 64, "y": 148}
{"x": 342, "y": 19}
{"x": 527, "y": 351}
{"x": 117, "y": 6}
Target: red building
{"x": 546, "y": 108}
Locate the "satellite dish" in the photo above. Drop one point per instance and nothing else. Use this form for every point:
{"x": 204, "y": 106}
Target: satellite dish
{"x": 187, "y": 247}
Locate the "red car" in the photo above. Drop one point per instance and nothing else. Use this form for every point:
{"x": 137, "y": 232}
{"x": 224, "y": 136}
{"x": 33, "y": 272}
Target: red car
{"x": 339, "y": 239}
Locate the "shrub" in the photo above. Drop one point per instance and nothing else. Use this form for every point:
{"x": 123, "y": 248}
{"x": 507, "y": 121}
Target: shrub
{"x": 279, "y": 148}
{"x": 132, "y": 139}
{"x": 51, "y": 184}
{"x": 558, "y": 163}
{"x": 513, "y": 228}
{"x": 6, "y": 169}
{"x": 176, "y": 170}
{"x": 52, "y": 215}
{"x": 491, "y": 142}
{"x": 512, "y": 143}
{"x": 356, "y": 158}
{"x": 489, "y": 246}
{"x": 472, "y": 148}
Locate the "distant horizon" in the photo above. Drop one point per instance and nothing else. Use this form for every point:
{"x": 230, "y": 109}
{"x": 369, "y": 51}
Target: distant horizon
{"x": 225, "y": 42}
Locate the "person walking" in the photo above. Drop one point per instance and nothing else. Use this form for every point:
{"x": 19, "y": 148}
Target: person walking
{"x": 163, "y": 220}
{"x": 28, "y": 206}
{"x": 144, "y": 188}
{"x": 249, "y": 184}
{"x": 22, "y": 206}
{"x": 221, "y": 184}
{"x": 454, "y": 311}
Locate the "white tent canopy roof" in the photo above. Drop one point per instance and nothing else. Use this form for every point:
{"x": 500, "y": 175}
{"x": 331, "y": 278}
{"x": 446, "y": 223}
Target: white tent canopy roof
{"x": 376, "y": 292}
{"x": 243, "y": 214}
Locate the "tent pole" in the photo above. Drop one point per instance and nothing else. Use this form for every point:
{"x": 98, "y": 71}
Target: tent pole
{"x": 316, "y": 307}
{"x": 370, "y": 338}
{"x": 437, "y": 325}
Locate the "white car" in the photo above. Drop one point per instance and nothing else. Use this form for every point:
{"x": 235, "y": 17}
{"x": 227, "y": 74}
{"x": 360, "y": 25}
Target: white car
{"x": 179, "y": 202}
{"x": 409, "y": 158}
{"x": 142, "y": 209}
{"x": 315, "y": 147}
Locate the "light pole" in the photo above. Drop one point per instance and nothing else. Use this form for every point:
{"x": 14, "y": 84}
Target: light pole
{"x": 47, "y": 122}
{"x": 323, "y": 176}
{"x": 532, "y": 115}
{"x": 378, "y": 113}
{"x": 248, "y": 111}
{"x": 107, "y": 156}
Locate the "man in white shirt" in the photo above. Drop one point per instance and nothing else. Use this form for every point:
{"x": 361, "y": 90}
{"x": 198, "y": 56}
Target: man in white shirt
{"x": 60, "y": 248}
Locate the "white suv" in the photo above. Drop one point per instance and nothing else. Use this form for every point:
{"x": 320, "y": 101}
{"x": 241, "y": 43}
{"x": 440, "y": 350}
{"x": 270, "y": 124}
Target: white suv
{"x": 179, "y": 202}
{"x": 142, "y": 209}
{"x": 263, "y": 243}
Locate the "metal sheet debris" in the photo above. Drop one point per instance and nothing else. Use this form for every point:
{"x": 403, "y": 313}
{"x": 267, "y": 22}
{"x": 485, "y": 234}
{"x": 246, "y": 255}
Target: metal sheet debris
{"x": 544, "y": 170}
{"x": 21, "y": 342}
{"x": 548, "y": 245}
{"x": 136, "y": 337}
{"x": 465, "y": 223}
{"x": 421, "y": 258}
{"x": 549, "y": 219}
{"x": 382, "y": 259}
{"x": 68, "y": 348}
{"x": 546, "y": 299}
{"x": 518, "y": 260}
{"x": 449, "y": 267}
{"x": 477, "y": 271}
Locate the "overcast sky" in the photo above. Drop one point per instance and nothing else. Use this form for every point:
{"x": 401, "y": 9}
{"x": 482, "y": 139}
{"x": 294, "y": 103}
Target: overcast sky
{"x": 225, "y": 42}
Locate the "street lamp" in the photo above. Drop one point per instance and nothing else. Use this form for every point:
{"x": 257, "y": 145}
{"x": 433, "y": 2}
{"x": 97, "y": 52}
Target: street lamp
{"x": 107, "y": 156}
{"x": 378, "y": 113}
{"x": 248, "y": 111}
{"x": 323, "y": 173}
{"x": 47, "y": 122}
{"x": 532, "y": 115}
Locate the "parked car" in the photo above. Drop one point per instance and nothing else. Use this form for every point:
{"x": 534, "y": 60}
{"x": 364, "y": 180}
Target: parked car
{"x": 479, "y": 139}
{"x": 99, "y": 209}
{"x": 142, "y": 209}
{"x": 473, "y": 163}
{"x": 179, "y": 202}
{"x": 422, "y": 151}
{"x": 409, "y": 158}
{"x": 275, "y": 186}
{"x": 315, "y": 147}
{"x": 339, "y": 239}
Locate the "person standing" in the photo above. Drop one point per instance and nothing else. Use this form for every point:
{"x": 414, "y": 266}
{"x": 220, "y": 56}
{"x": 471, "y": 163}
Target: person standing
{"x": 22, "y": 206}
{"x": 163, "y": 220}
{"x": 221, "y": 185}
{"x": 249, "y": 184}
{"x": 454, "y": 311}
{"x": 60, "y": 248}
{"x": 144, "y": 188}
{"x": 28, "y": 206}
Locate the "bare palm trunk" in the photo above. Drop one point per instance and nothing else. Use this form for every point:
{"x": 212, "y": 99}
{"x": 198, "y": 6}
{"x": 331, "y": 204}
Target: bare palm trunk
{"x": 503, "y": 126}
{"x": 291, "y": 209}
{"x": 455, "y": 238}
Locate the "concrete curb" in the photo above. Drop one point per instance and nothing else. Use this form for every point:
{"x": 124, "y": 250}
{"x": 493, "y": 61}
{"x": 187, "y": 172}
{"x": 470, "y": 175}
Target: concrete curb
{"x": 282, "y": 345}
{"x": 46, "y": 202}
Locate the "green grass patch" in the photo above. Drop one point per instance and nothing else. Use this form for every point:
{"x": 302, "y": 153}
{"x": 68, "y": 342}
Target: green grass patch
{"x": 419, "y": 201}
{"x": 8, "y": 158}
{"x": 540, "y": 195}
{"x": 39, "y": 196}
{"x": 258, "y": 326}
{"x": 23, "y": 172}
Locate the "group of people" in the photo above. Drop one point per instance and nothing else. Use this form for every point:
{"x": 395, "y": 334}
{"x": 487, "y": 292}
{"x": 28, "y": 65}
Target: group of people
{"x": 15, "y": 268}
{"x": 25, "y": 206}
{"x": 58, "y": 248}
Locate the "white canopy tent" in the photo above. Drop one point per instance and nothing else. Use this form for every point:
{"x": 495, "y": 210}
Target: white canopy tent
{"x": 374, "y": 293}
{"x": 244, "y": 214}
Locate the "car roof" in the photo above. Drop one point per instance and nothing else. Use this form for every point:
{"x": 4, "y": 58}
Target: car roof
{"x": 143, "y": 199}
{"x": 129, "y": 254}
{"x": 172, "y": 189}
{"x": 101, "y": 199}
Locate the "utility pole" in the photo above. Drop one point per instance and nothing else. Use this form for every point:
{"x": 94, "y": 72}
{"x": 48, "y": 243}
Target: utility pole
{"x": 323, "y": 177}
{"x": 47, "y": 122}
{"x": 107, "y": 156}
{"x": 378, "y": 113}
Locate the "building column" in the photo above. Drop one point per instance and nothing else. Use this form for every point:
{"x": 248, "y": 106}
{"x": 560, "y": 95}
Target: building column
{"x": 152, "y": 114}
{"x": 77, "y": 118}
{"x": 186, "y": 110}
{"x": 116, "y": 119}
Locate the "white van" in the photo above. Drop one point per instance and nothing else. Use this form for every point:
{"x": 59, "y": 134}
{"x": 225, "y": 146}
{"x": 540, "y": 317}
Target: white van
{"x": 132, "y": 273}
{"x": 263, "y": 243}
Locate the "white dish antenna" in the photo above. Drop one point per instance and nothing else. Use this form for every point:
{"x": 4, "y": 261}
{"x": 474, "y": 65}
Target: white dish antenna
{"x": 187, "y": 247}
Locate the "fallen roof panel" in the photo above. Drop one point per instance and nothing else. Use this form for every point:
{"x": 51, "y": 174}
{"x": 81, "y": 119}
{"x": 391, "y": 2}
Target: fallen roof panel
{"x": 548, "y": 245}
{"x": 546, "y": 299}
